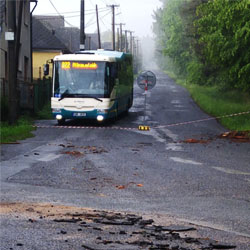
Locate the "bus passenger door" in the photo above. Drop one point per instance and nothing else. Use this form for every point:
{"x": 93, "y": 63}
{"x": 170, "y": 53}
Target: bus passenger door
{"x": 113, "y": 83}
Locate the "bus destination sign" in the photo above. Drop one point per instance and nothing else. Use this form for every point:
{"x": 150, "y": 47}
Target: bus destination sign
{"x": 79, "y": 65}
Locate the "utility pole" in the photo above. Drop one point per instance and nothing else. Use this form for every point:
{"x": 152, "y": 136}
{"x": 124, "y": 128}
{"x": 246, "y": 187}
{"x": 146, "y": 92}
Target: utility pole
{"x": 18, "y": 32}
{"x": 133, "y": 45}
{"x": 12, "y": 69}
{"x": 82, "y": 27}
{"x": 131, "y": 42}
{"x": 121, "y": 35}
{"x": 98, "y": 28}
{"x": 89, "y": 42}
{"x": 126, "y": 41}
{"x": 120, "y": 40}
{"x": 31, "y": 44}
{"x": 113, "y": 24}
{"x": 138, "y": 49}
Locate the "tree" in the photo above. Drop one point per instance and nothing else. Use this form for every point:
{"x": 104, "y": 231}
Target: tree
{"x": 224, "y": 30}
{"x": 206, "y": 41}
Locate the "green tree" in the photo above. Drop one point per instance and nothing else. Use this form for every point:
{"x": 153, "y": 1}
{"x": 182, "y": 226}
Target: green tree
{"x": 176, "y": 36}
{"x": 224, "y": 34}
{"x": 206, "y": 41}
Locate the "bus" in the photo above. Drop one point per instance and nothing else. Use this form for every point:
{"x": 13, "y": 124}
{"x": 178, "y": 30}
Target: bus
{"x": 92, "y": 85}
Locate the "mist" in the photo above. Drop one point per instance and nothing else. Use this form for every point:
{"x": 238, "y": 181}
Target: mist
{"x": 148, "y": 53}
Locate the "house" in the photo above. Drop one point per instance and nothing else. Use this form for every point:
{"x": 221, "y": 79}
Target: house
{"x": 51, "y": 38}
{"x": 24, "y": 73}
{"x": 70, "y": 36}
{"x": 46, "y": 46}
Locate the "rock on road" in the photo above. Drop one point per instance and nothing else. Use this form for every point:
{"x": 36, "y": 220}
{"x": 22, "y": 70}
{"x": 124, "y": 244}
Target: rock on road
{"x": 157, "y": 173}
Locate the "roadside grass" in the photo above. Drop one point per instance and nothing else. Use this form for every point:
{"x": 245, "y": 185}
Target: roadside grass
{"x": 45, "y": 113}
{"x": 23, "y": 129}
{"x": 20, "y": 131}
{"x": 217, "y": 102}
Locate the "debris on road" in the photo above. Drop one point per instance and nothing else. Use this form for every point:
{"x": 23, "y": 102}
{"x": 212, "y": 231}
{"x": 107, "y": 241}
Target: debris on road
{"x": 237, "y": 136}
{"x": 126, "y": 186}
{"x": 91, "y": 229}
{"x": 191, "y": 140}
{"x": 74, "y": 153}
{"x": 84, "y": 150}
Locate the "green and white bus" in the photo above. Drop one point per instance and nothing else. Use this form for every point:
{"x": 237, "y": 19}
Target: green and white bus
{"x": 92, "y": 85}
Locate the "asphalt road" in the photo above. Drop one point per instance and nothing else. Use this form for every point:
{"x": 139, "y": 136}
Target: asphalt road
{"x": 117, "y": 167}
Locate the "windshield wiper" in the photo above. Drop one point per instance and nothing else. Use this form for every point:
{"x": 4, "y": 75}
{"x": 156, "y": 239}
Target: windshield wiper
{"x": 65, "y": 94}
{"x": 97, "y": 99}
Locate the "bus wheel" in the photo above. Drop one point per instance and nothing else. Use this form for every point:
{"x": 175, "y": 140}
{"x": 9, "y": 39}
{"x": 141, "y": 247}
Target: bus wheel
{"x": 128, "y": 107}
{"x": 114, "y": 118}
{"x": 61, "y": 122}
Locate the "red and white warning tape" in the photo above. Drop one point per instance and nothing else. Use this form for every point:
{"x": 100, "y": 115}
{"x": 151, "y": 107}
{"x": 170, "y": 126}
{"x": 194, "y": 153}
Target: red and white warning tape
{"x": 203, "y": 120}
{"x": 84, "y": 127}
{"x": 155, "y": 127}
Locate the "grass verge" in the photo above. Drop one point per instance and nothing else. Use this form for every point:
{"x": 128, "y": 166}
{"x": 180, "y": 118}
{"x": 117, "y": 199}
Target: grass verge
{"x": 219, "y": 103}
{"x": 20, "y": 131}
{"x": 23, "y": 128}
{"x": 45, "y": 113}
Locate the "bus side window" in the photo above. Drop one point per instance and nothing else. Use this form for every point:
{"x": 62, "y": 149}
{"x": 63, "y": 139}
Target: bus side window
{"x": 108, "y": 70}
{"x": 110, "y": 80}
{"x": 122, "y": 73}
{"x": 114, "y": 70}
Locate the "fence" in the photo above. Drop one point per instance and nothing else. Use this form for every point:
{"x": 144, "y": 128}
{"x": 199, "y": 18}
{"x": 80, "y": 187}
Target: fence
{"x": 34, "y": 96}
{"x": 31, "y": 96}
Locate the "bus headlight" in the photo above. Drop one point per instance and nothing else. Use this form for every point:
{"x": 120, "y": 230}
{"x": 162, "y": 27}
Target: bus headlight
{"x": 100, "y": 118}
{"x": 59, "y": 117}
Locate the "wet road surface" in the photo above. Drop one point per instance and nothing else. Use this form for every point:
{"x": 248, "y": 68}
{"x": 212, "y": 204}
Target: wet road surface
{"x": 119, "y": 168}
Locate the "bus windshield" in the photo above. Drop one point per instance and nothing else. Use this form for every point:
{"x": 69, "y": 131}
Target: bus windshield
{"x": 80, "y": 78}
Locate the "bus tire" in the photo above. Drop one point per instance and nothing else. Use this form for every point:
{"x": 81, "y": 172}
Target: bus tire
{"x": 115, "y": 117}
{"x": 61, "y": 122}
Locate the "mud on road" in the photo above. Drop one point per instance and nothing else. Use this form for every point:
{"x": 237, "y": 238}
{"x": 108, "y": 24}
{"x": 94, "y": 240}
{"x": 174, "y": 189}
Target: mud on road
{"x": 47, "y": 226}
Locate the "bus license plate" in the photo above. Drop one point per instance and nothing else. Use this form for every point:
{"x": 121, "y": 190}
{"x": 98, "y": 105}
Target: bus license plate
{"x": 79, "y": 114}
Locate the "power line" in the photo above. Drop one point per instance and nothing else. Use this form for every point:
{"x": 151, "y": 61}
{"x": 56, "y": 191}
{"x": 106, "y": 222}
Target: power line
{"x": 60, "y": 14}
{"x": 104, "y": 9}
{"x": 90, "y": 24}
{"x": 47, "y": 16}
{"x": 103, "y": 21}
{"x": 77, "y": 11}
{"x": 105, "y": 2}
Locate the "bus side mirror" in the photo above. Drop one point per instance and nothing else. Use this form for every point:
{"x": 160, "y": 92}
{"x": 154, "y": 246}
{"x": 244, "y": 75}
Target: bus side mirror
{"x": 46, "y": 69}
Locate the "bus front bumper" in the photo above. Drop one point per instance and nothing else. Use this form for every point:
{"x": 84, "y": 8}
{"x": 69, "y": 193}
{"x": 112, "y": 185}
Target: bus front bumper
{"x": 99, "y": 115}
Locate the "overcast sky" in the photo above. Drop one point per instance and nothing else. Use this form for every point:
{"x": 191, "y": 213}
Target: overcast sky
{"x": 136, "y": 14}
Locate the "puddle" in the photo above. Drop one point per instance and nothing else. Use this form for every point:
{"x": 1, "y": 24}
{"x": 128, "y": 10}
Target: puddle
{"x": 48, "y": 157}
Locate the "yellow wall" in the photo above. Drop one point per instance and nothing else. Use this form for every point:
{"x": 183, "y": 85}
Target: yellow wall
{"x": 39, "y": 59}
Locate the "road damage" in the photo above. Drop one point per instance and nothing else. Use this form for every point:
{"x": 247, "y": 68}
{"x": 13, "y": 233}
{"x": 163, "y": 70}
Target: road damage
{"x": 83, "y": 228}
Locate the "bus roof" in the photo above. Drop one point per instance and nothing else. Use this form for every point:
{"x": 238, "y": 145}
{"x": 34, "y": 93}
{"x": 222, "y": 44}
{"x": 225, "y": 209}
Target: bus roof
{"x": 93, "y": 55}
